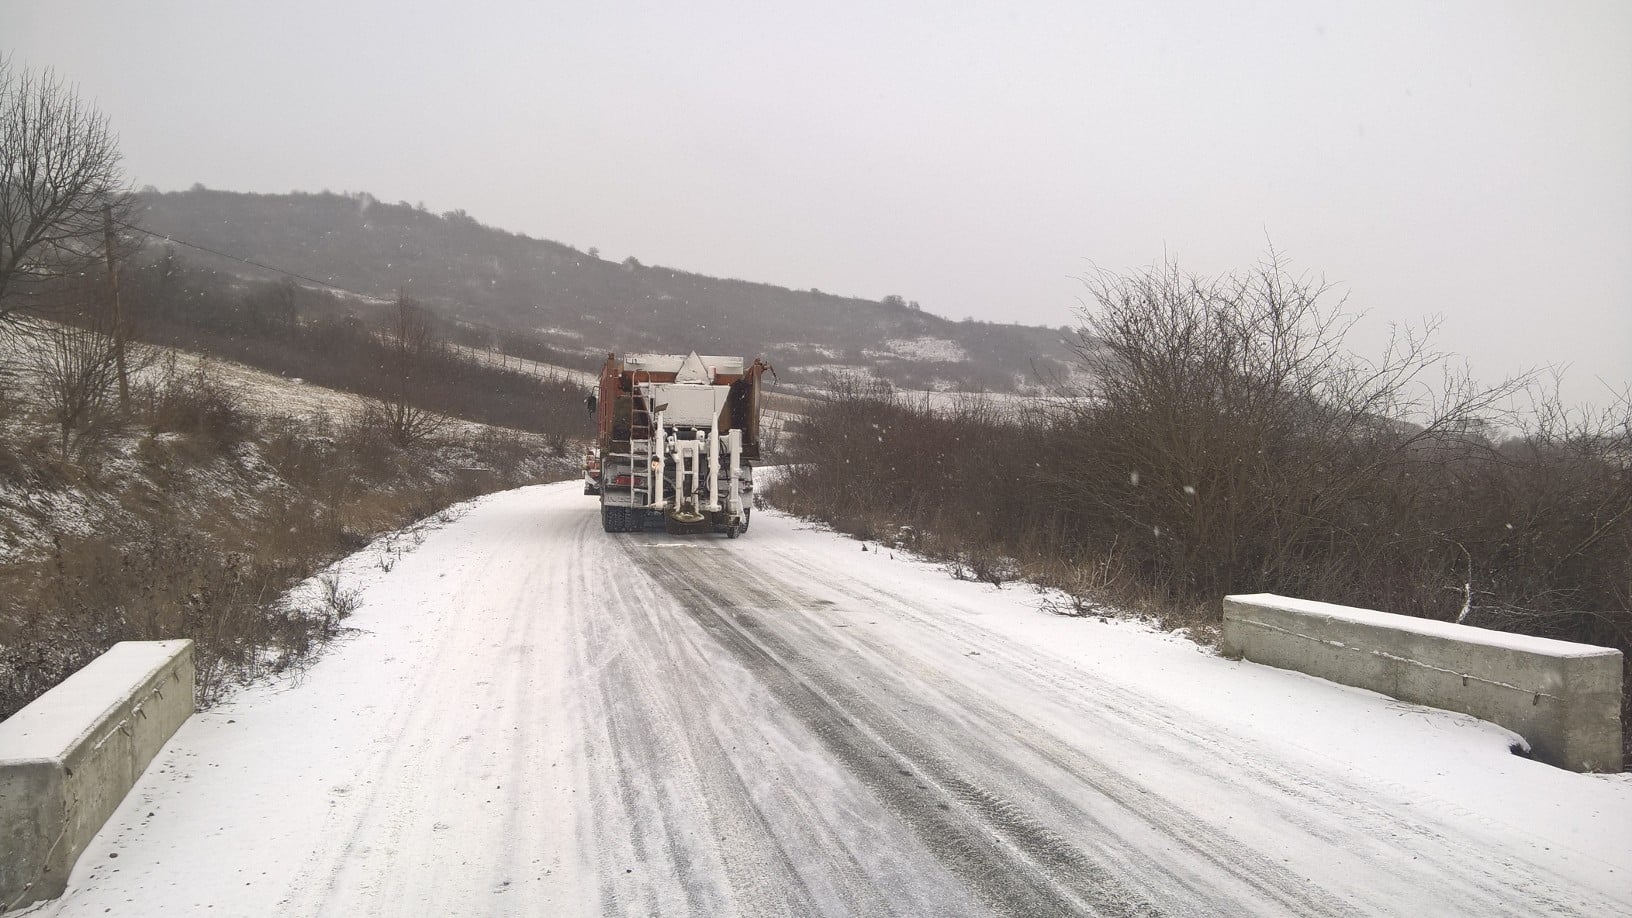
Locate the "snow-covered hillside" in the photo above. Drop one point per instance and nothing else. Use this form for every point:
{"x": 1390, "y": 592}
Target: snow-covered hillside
{"x": 83, "y": 493}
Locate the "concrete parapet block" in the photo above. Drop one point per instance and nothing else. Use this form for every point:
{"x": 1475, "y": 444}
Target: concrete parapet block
{"x": 1563, "y": 698}
{"x": 68, "y": 759}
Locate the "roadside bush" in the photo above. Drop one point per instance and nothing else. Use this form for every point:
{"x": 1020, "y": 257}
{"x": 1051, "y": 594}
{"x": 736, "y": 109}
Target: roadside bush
{"x": 198, "y": 534}
{"x": 199, "y": 403}
{"x": 193, "y": 402}
{"x": 8, "y": 386}
{"x": 77, "y": 374}
{"x": 199, "y": 548}
{"x": 167, "y": 580}
{"x": 400, "y": 423}
{"x": 1228, "y": 443}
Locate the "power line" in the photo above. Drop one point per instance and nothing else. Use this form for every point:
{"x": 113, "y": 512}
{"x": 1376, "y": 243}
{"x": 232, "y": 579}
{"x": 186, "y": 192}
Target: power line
{"x": 248, "y": 261}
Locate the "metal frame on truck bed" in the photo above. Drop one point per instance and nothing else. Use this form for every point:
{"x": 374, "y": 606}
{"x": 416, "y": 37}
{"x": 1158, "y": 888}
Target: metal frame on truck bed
{"x": 678, "y": 435}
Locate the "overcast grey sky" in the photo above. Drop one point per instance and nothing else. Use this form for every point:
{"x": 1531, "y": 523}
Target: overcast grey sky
{"x": 1470, "y": 159}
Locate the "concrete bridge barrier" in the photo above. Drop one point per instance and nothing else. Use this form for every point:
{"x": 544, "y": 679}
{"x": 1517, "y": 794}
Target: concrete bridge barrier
{"x": 1563, "y": 698}
{"x": 68, "y": 759}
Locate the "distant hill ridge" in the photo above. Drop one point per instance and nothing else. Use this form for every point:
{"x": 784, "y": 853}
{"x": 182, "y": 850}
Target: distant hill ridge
{"x": 577, "y": 301}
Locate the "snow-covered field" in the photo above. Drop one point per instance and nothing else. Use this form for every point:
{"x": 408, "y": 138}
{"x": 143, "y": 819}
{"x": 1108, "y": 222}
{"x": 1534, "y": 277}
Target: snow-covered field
{"x": 532, "y": 717}
{"x": 261, "y": 392}
{"x": 926, "y": 348}
{"x": 526, "y": 365}
{"x": 268, "y": 394}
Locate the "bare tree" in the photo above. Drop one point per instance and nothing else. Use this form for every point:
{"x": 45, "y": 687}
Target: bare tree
{"x": 274, "y": 306}
{"x": 410, "y": 342}
{"x": 59, "y": 166}
{"x": 1234, "y": 440}
{"x": 78, "y": 372}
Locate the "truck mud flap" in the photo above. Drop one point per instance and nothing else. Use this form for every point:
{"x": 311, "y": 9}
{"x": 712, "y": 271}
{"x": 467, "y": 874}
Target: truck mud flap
{"x": 679, "y": 527}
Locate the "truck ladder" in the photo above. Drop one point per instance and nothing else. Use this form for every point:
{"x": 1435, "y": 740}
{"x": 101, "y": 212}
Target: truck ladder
{"x": 641, "y": 450}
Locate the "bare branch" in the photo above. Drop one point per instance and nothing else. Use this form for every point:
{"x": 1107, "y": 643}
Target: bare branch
{"x": 59, "y": 164}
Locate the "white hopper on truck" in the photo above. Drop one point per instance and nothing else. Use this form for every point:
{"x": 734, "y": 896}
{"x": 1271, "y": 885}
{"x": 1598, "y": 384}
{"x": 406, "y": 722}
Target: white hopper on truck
{"x": 678, "y": 435}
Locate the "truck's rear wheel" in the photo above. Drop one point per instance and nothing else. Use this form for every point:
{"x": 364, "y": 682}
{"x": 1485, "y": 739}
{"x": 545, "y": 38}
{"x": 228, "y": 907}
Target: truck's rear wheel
{"x": 622, "y": 519}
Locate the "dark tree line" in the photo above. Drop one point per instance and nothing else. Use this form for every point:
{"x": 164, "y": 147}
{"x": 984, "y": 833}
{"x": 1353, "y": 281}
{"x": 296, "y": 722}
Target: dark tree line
{"x": 394, "y": 352}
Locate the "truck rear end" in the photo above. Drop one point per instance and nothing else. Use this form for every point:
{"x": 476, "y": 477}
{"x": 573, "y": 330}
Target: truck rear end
{"x": 678, "y": 436}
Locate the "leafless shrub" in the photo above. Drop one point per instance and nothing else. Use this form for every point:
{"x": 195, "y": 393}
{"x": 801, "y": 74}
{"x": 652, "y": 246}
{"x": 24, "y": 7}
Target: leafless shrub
{"x": 194, "y": 402}
{"x": 399, "y": 422}
{"x": 365, "y": 442}
{"x": 771, "y": 436}
{"x": 165, "y": 580}
{"x": 983, "y": 565}
{"x": 78, "y": 373}
{"x": 1227, "y": 442}
{"x": 410, "y": 346}
{"x": 212, "y": 567}
{"x": 1073, "y": 605}
{"x": 9, "y": 402}
{"x": 338, "y": 600}
{"x": 1228, "y": 439}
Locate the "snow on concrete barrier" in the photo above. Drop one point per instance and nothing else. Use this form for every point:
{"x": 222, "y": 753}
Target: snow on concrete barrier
{"x": 68, "y": 759}
{"x": 1563, "y": 698}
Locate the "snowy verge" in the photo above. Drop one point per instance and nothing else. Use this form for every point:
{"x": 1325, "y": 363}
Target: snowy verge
{"x": 1417, "y": 755}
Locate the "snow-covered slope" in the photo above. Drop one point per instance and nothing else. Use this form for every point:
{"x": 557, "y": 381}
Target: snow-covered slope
{"x": 31, "y": 512}
{"x": 534, "y": 717}
{"x": 263, "y": 393}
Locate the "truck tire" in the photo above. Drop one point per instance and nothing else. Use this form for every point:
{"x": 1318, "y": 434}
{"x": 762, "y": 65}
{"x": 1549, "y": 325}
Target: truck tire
{"x": 620, "y": 519}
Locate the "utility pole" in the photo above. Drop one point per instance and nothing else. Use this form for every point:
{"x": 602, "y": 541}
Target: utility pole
{"x": 118, "y": 320}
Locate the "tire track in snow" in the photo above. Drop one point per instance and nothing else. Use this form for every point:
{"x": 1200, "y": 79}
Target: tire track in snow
{"x": 1415, "y": 857}
{"x": 1012, "y": 861}
{"x": 986, "y": 740}
{"x": 696, "y": 742}
{"x": 658, "y": 762}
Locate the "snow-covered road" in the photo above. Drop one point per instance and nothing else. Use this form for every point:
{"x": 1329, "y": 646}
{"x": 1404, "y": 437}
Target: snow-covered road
{"x": 533, "y": 717}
